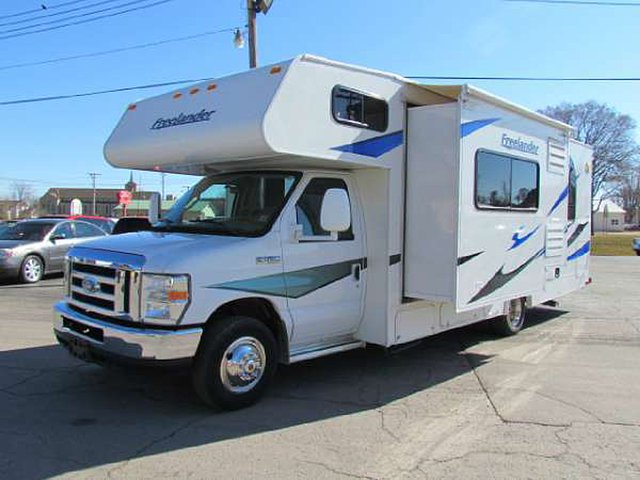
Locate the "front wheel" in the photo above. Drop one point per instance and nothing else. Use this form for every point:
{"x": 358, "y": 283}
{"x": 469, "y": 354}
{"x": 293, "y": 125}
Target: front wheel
{"x": 235, "y": 362}
{"x": 513, "y": 321}
{"x": 32, "y": 269}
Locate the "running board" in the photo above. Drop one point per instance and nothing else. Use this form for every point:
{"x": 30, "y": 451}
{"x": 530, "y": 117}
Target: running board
{"x": 322, "y": 351}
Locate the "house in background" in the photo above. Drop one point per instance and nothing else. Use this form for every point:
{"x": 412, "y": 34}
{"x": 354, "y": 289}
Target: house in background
{"x": 12, "y": 209}
{"x": 140, "y": 208}
{"x": 609, "y": 217}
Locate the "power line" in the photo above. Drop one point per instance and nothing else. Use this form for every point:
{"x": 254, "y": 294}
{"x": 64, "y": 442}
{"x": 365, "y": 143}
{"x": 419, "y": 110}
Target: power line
{"x": 102, "y": 92}
{"x": 527, "y": 79}
{"x": 580, "y": 2}
{"x": 411, "y": 77}
{"x": 72, "y": 17}
{"x": 46, "y": 7}
{"x": 86, "y": 20}
{"x": 55, "y": 14}
{"x": 117, "y": 50}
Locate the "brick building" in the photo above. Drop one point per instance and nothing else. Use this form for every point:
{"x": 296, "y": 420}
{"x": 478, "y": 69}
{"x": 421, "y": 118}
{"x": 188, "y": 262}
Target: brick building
{"x": 57, "y": 201}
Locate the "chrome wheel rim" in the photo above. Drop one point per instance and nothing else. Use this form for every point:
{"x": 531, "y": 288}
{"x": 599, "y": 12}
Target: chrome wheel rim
{"x": 515, "y": 316}
{"x": 32, "y": 270}
{"x": 242, "y": 364}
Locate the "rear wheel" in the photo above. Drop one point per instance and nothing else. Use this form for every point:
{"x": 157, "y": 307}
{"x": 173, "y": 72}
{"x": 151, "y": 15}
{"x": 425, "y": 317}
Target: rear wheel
{"x": 32, "y": 269}
{"x": 513, "y": 321}
{"x": 235, "y": 362}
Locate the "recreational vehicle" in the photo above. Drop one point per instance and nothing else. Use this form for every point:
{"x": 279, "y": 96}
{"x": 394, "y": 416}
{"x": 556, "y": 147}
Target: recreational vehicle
{"x": 339, "y": 207}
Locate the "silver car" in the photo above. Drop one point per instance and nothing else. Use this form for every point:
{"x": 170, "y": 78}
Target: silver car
{"x": 32, "y": 248}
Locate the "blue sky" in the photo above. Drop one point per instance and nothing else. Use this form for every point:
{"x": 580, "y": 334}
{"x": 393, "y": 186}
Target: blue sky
{"x": 57, "y": 143}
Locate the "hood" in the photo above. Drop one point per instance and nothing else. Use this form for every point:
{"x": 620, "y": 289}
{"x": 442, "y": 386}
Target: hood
{"x": 162, "y": 248}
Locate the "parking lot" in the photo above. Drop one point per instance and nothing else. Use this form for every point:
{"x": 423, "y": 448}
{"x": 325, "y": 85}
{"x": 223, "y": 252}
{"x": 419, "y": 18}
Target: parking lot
{"x": 560, "y": 400}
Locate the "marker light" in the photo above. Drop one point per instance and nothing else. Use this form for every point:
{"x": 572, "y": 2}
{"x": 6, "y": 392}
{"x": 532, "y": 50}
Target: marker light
{"x": 193, "y": 91}
{"x": 211, "y": 87}
{"x": 177, "y": 95}
{"x": 275, "y": 70}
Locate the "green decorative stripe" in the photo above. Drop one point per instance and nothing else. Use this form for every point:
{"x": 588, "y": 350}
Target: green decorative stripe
{"x": 297, "y": 283}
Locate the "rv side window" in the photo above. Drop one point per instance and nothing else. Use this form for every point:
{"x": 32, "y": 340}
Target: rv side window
{"x": 524, "y": 184}
{"x": 571, "y": 212}
{"x": 505, "y": 182}
{"x": 308, "y": 207}
{"x": 359, "y": 110}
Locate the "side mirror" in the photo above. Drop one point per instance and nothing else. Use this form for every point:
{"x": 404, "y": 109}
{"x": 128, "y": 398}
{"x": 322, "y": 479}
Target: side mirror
{"x": 335, "y": 212}
{"x": 54, "y": 238}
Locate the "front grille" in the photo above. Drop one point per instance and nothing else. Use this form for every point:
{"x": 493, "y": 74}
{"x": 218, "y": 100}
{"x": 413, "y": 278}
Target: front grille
{"x": 102, "y": 286}
{"x": 95, "y": 301}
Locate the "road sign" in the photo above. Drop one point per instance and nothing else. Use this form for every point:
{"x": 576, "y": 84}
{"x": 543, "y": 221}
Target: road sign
{"x": 124, "y": 197}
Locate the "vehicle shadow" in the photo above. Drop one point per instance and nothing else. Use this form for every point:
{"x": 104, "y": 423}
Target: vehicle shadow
{"x": 58, "y": 415}
{"x": 55, "y": 279}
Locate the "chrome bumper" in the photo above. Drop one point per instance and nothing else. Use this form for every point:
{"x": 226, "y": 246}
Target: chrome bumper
{"x": 131, "y": 343}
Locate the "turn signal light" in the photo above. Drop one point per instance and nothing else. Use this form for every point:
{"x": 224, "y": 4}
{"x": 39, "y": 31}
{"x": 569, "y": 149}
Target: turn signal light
{"x": 177, "y": 296}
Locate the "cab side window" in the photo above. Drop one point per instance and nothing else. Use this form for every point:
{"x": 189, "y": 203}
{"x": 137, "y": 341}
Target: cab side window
{"x": 310, "y": 203}
{"x": 84, "y": 230}
{"x": 63, "y": 230}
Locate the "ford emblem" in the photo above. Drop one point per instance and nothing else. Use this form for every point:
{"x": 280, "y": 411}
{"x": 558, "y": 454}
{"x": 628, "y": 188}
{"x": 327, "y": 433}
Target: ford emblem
{"x": 90, "y": 285}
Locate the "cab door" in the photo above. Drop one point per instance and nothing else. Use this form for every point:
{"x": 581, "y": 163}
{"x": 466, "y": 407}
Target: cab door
{"x": 325, "y": 278}
{"x": 61, "y": 238}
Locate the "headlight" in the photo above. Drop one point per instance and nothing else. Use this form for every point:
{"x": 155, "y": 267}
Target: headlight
{"x": 164, "y": 297}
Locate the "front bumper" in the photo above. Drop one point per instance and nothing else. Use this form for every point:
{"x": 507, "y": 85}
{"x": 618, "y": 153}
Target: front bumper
{"x": 107, "y": 341}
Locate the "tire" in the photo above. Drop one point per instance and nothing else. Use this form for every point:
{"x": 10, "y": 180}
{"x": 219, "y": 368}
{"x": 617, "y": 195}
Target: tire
{"x": 231, "y": 385}
{"x": 511, "y": 323}
{"x": 32, "y": 269}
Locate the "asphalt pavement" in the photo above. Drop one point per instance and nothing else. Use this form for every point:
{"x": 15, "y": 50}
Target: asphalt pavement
{"x": 559, "y": 400}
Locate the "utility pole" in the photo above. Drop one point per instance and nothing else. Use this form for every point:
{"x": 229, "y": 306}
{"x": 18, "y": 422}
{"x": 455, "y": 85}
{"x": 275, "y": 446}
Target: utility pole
{"x": 93, "y": 176}
{"x": 253, "y": 7}
{"x": 251, "y": 26}
{"x": 162, "y": 198}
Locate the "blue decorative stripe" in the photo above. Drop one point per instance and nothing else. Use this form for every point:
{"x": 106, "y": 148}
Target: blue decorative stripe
{"x": 470, "y": 127}
{"x": 517, "y": 240}
{"x": 562, "y": 196}
{"x": 374, "y": 147}
{"x": 583, "y": 250}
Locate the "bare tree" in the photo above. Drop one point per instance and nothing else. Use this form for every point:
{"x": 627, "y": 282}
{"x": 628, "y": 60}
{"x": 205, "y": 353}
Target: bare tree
{"x": 630, "y": 196}
{"x": 609, "y": 132}
{"x": 23, "y": 193}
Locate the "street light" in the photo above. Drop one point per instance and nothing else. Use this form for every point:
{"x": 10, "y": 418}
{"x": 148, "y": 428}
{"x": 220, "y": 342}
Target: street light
{"x": 238, "y": 39}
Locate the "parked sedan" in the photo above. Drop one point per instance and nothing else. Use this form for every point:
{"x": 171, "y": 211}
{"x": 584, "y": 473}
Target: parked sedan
{"x": 32, "y": 248}
{"x": 636, "y": 245}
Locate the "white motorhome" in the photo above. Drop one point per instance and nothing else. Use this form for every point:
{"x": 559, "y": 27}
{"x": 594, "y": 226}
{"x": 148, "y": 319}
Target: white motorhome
{"x": 340, "y": 207}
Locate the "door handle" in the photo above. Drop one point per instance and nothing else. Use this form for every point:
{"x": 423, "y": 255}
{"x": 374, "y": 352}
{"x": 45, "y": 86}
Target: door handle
{"x": 355, "y": 271}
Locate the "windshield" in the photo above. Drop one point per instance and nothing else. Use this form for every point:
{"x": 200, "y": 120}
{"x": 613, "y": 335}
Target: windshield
{"x": 26, "y": 231}
{"x": 239, "y": 204}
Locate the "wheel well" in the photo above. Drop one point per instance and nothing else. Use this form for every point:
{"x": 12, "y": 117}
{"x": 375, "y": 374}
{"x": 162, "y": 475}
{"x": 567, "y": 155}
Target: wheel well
{"x": 262, "y": 310}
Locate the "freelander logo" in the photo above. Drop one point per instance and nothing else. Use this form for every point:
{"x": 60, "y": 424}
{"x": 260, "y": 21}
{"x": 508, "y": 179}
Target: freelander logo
{"x": 183, "y": 119}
